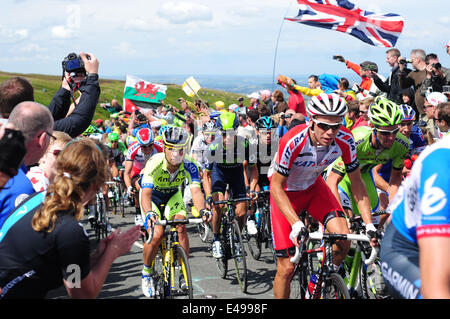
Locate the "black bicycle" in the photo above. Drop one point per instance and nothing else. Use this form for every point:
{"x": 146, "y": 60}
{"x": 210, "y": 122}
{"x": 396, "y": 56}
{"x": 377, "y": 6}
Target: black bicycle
{"x": 115, "y": 196}
{"x": 101, "y": 223}
{"x": 232, "y": 244}
{"x": 264, "y": 227}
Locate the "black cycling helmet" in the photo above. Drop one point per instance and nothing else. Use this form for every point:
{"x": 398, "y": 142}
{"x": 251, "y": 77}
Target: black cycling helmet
{"x": 265, "y": 122}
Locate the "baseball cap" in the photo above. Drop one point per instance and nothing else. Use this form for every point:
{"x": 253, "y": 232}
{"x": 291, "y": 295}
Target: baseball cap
{"x": 369, "y": 66}
{"x": 254, "y": 95}
{"x": 436, "y": 98}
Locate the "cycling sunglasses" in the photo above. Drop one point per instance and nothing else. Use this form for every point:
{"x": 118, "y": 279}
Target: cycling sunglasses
{"x": 387, "y": 133}
{"x": 326, "y": 126}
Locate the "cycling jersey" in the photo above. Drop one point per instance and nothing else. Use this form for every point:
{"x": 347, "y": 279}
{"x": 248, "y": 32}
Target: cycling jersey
{"x": 265, "y": 155}
{"x": 369, "y": 157}
{"x": 302, "y": 163}
{"x": 200, "y": 148}
{"x": 118, "y": 154}
{"x": 421, "y": 208}
{"x": 139, "y": 158}
{"x": 165, "y": 185}
{"x": 416, "y": 146}
{"x": 34, "y": 263}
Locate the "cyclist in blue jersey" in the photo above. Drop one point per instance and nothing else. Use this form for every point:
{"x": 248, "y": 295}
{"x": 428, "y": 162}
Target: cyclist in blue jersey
{"x": 414, "y": 252}
{"x": 382, "y": 172}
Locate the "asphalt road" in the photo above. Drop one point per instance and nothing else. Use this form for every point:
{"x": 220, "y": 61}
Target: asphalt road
{"x": 124, "y": 279}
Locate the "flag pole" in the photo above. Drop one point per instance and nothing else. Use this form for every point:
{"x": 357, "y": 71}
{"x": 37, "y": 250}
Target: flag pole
{"x": 276, "y": 47}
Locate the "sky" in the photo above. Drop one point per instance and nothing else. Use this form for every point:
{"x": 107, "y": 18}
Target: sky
{"x": 200, "y": 36}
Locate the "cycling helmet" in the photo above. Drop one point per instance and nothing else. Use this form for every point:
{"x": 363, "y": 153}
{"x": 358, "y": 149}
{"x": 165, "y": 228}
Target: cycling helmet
{"x": 408, "y": 114}
{"x": 227, "y": 121}
{"x": 384, "y": 112}
{"x": 113, "y": 137}
{"x": 327, "y": 104}
{"x": 214, "y": 114}
{"x": 145, "y": 136}
{"x": 175, "y": 136}
{"x": 209, "y": 127}
{"x": 265, "y": 122}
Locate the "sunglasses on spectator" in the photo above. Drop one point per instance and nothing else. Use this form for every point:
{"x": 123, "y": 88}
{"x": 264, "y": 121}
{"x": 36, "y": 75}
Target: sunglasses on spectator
{"x": 326, "y": 126}
{"x": 387, "y": 133}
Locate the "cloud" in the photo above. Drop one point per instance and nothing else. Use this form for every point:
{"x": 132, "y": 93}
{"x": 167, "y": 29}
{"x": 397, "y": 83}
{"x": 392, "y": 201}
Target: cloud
{"x": 32, "y": 48}
{"x": 62, "y": 32}
{"x": 126, "y": 48}
{"x": 184, "y": 12}
{"x": 12, "y": 35}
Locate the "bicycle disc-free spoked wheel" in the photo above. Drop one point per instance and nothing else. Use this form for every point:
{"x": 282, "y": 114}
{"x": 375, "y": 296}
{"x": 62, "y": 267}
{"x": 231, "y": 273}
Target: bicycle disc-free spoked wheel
{"x": 335, "y": 288}
{"x": 160, "y": 277}
{"x": 254, "y": 245}
{"x": 181, "y": 271}
{"x": 299, "y": 285}
{"x": 238, "y": 254}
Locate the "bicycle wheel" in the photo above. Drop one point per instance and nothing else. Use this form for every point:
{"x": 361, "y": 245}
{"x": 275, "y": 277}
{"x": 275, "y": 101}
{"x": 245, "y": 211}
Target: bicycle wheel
{"x": 335, "y": 287}
{"x": 254, "y": 244}
{"x": 372, "y": 282}
{"x": 238, "y": 254}
{"x": 202, "y": 233}
{"x": 299, "y": 285}
{"x": 181, "y": 272}
{"x": 160, "y": 276}
{"x": 121, "y": 201}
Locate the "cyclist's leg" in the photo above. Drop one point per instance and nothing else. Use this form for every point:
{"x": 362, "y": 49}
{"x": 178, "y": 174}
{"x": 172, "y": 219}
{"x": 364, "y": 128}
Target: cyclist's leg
{"x": 325, "y": 208}
{"x": 283, "y": 246}
{"x": 237, "y": 186}
{"x": 151, "y": 249}
{"x": 175, "y": 209}
{"x": 218, "y": 187}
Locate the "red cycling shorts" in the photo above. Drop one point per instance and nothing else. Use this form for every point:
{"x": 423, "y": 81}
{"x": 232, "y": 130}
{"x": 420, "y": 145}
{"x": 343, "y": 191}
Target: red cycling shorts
{"x": 318, "y": 200}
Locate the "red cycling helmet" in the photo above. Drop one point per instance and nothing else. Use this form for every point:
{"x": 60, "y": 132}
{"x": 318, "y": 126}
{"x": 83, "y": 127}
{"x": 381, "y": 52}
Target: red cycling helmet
{"x": 145, "y": 136}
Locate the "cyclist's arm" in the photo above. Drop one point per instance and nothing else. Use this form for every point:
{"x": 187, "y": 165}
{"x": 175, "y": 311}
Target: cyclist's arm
{"x": 207, "y": 182}
{"x": 434, "y": 257}
{"x": 127, "y": 173}
{"x": 281, "y": 199}
{"x": 197, "y": 197}
{"x": 333, "y": 181}
{"x": 246, "y": 178}
{"x": 360, "y": 194}
{"x": 379, "y": 181}
{"x": 254, "y": 175}
{"x": 394, "y": 182}
{"x": 113, "y": 168}
{"x": 146, "y": 199}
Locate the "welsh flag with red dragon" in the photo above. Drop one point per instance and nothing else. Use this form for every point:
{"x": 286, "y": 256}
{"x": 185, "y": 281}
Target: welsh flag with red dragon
{"x": 142, "y": 95}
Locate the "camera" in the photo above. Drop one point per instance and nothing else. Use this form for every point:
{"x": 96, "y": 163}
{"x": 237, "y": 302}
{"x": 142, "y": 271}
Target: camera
{"x": 405, "y": 61}
{"x": 74, "y": 63}
{"x": 437, "y": 66}
{"x": 284, "y": 116}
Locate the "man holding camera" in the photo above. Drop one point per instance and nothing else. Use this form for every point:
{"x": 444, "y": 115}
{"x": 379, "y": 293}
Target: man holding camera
{"x": 436, "y": 75}
{"x": 80, "y": 73}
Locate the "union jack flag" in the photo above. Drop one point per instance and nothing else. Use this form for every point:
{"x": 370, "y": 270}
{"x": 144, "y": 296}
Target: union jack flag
{"x": 341, "y": 15}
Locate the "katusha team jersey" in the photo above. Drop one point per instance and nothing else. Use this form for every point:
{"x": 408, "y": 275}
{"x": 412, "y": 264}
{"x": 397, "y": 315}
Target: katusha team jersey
{"x": 302, "y": 163}
{"x": 421, "y": 207}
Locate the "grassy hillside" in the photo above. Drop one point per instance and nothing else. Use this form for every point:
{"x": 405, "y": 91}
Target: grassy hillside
{"x": 45, "y": 86}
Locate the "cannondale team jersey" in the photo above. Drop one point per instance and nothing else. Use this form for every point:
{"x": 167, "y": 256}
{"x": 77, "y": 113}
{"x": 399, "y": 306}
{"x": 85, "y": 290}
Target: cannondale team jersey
{"x": 421, "y": 207}
{"x": 302, "y": 162}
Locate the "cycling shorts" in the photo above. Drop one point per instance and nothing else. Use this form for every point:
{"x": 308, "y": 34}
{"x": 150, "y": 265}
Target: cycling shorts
{"x": 166, "y": 205}
{"x": 320, "y": 203}
{"x": 233, "y": 176}
{"x": 400, "y": 265}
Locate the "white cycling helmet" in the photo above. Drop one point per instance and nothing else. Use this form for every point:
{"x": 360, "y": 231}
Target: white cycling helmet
{"x": 327, "y": 104}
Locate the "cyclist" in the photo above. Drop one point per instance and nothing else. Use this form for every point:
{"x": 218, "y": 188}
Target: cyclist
{"x": 296, "y": 183}
{"x": 267, "y": 147}
{"x": 375, "y": 145}
{"x": 224, "y": 167}
{"x": 202, "y": 142}
{"x": 382, "y": 173}
{"x": 414, "y": 251}
{"x": 161, "y": 196}
{"x": 138, "y": 154}
{"x": 119, "y": 151}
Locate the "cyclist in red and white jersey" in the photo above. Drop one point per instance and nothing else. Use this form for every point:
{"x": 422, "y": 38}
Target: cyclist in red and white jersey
{"x": 138, "y": 154}
{"x": 297, "y": 185}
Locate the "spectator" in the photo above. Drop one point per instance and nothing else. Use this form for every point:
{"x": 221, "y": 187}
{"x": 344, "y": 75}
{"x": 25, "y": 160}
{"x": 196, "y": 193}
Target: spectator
{"x": 43, "y": 174}
{"x": 36, "y": 124}
{"x": 313, "y": 89}
{"x": 296, "y": 102}
{"x": 352, "y": 115}
{"x": 363, "y": 119}
{"x": 44, "y": 239}
{"x": 254, "y": 101}
{"x": 80, "y": 119}
{"x": 344, "y": 90}
{"x": 241, "y": 103}
{"x": 263, "y": 110}
{"x": 328, "y": 82}
{"x": 13, "y": 91}
{"x": 12, "y": 144}
{"x": 245, "y": 129}
{"x": 431, "y": 103}
{"x": 392, "y": 85}
{"x": 165, "y": 114}
{"x": 407, "y": 96}
{"x": 285, "y": 119}
{"x": 266, "y": 98}
{"x": 367, "y": 86}
{"x": 279, "y": 105}
{"x": 437, "y": 76}
{"x": 414, "y": 79}
{"x": 443, "y": 119}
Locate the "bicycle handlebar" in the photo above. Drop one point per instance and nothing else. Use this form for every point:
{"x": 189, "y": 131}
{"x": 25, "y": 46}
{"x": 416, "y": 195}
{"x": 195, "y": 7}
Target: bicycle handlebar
{"x": 320, "y": 236}
{"x": 179, "y": 221}
{"x": 230, "y": 201}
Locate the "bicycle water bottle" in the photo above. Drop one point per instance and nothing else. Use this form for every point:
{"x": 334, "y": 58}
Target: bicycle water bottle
{"x": 258, "y": 218}
{"x": 312, "y": 283}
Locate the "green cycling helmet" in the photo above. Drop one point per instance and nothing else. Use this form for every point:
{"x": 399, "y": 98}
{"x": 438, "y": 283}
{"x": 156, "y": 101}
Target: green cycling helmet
{"x": 384, "y": 112}
{"x": 89, "y": 130}
{"x": 227, "y": 121}
{"x": 113, "y": 137}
